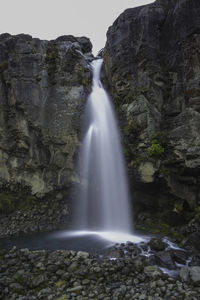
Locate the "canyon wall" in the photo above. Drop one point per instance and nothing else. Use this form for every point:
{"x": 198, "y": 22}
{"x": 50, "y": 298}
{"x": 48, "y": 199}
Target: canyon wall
{"x": 152, "y": 61}
{"x": 43, "y": 89}
{"x": 152, "y": 70}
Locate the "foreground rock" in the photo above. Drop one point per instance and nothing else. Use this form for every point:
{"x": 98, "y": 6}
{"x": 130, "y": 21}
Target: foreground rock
{"x": 61, "y": 275}
{"x": 43, "y": 89}
{"x": 152, "y": 61}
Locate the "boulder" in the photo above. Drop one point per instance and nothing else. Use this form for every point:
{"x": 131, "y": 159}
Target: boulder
{"x": 190, "y": 274}
{"x": 152, "y": 272}
{"x": 164, "y": 259}
{"x": 157, "y": 244}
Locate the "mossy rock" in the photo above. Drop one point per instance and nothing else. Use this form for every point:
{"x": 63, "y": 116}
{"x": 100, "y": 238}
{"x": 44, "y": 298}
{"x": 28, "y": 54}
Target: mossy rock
{"x": 60, "y": 283}
{"x": 159, "y": 227}
{"x": 9, "y": 202}
{"x": 64, "y": 297}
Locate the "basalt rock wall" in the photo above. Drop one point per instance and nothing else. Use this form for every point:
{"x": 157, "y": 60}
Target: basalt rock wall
{"x": 152, "y": 60}
{"x": 43, "y": 89}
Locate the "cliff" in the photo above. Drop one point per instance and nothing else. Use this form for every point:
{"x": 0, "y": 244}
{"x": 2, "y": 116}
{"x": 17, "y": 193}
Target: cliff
{"x": 152, "y": 61}
{"x": 152, "y": 69}
{"x": 43, "y": 89}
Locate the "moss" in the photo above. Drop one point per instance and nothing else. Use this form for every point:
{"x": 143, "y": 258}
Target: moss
{"x": 155, "y": 150}
{"x": 60, "y": 283}
{"x": 11, "y": 201}
{"x": 159, "y": 227}
{"x": 63, "y": 297}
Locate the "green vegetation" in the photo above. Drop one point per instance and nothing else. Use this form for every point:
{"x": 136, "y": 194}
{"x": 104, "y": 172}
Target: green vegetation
{"x": 155, "y": 150}
{"x": 159, "y": 227}
{"x": 60, "y": 283}
{"x": 64, "y": 297}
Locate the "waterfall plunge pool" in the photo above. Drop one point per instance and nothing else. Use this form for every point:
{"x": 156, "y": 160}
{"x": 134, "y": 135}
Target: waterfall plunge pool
{"x": 94, "y": 242}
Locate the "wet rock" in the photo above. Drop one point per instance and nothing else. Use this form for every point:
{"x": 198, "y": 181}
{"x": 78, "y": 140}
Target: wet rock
{"x": 164, "y": 259}
{"x": 179, "y": 256}
{"x": 195, "y": 261}
{"x": 157, "y": 244}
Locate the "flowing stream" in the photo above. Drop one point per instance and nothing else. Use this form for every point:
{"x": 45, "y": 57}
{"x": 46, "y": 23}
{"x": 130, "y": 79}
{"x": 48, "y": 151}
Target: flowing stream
{"x": 103, "y": 202}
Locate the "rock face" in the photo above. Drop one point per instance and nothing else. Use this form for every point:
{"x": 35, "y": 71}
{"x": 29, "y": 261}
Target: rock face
{"x": 43, "y": 88}
{"x": 152, "y": 61}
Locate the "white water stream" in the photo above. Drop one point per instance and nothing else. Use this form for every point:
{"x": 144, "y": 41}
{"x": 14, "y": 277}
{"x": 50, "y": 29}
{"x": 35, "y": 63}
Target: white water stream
{"x": 103, "y": 203}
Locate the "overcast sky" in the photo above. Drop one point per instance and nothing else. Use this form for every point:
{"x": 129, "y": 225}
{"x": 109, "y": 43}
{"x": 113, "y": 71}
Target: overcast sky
{"x": 48, "y": 19}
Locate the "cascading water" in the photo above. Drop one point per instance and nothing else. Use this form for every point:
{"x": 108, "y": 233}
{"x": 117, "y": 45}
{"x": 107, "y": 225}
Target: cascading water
{"x": 103, "y": 203}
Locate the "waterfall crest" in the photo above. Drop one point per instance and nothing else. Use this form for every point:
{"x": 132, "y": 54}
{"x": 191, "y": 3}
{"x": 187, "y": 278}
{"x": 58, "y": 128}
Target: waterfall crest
{"x": 103, "y": 203}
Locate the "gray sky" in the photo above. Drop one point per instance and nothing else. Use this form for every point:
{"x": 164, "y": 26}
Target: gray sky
{"x": 48, "y": 19}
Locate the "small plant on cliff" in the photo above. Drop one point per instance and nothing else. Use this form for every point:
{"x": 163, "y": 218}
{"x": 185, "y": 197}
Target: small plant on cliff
{"x": 155, "y": 149}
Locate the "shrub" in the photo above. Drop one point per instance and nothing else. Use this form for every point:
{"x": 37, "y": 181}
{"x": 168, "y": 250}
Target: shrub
{"x": 155, "y": 149}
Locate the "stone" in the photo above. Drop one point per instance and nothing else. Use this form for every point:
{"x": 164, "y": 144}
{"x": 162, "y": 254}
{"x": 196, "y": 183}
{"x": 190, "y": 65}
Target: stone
{"x": 73, "y": 266}
{"x": 192, "y": 274}
{"x": 82, "y": 254}
{"x": 16, "y": 287}
{"x": 152, "y": 271}
{"x": 147, "y": 172}
{"x": 75, "y": 289}
{"x": 157, "y": 244}
{"x": 142, "y": 297}
{"x": 164, "y": 259}
{"x": 38, "y": 280}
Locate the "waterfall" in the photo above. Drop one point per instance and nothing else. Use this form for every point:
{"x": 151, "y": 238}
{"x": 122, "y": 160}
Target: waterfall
{"x": 103, "y": 202}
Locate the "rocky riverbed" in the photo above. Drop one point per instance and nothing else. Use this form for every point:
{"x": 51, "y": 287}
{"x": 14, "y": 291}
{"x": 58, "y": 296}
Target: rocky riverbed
{"x": 124, "y": 272}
